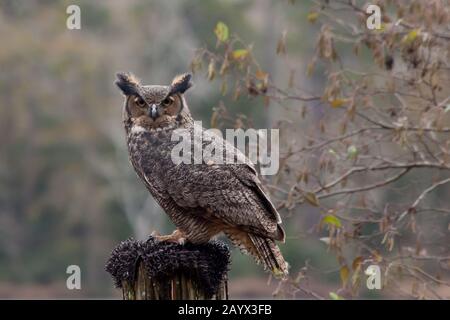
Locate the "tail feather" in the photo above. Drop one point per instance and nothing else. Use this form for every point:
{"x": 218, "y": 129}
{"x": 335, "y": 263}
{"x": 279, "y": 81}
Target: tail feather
{"x": 264, "y": 250}
{"x": 269, "y": 255}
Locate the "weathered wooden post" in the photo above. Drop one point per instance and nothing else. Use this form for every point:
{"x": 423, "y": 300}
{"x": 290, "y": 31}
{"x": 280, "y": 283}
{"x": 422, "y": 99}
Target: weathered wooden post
{"x": 153, "y": 270}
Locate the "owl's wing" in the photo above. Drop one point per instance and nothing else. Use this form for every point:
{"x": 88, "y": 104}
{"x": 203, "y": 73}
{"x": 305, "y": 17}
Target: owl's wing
{"x": 249, "y": 176}
{"x": 231, "y": 193}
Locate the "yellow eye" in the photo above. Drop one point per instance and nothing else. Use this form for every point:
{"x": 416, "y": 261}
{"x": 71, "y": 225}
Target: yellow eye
{"x": 140, "y": 102}
{"x": 167, "y": 102}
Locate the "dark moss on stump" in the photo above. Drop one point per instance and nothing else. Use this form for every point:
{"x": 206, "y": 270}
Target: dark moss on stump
{"x": 207, "y": 264}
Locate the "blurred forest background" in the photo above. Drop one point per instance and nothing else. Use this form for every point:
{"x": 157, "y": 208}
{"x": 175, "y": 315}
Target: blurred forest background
{"x": 68, "y": 194}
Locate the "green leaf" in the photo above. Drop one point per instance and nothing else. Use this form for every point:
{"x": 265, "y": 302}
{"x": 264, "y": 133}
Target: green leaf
{"x": 352, "y": 152}
{"x": 411, "y": 36}
{"x": 332, "y": 220}
{"x": 447, "y": 108}
{"x": 335, "y": 296}
{"x": 311, "y": 199}
{"x": 312, "y": 16}
{"x": 382, "y": 28}
{"x": 221, "y": 31}
{"x": 239, "y": 54}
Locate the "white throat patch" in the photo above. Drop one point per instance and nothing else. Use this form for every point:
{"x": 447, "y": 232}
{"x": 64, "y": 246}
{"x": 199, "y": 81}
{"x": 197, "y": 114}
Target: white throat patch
{"x": 138, "y": 129}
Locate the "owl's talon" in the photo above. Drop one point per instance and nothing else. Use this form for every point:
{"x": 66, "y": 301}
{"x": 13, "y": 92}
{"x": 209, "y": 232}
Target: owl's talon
{"x": 181, "y": 241}
{"x": 155, "y": 234}
{"x": 176, "y": 237}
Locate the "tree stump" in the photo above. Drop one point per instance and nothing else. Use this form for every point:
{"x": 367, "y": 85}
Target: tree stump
{"x": 153, "y": 270}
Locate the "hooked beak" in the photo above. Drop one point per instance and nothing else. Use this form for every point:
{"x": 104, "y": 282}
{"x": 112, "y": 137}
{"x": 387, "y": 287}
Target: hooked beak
{"x": 153, "y": 111}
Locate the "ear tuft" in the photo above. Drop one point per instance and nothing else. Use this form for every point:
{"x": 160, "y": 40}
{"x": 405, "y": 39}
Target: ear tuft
{"x": 181, "y": 83}
{"x": 128, "y": 83}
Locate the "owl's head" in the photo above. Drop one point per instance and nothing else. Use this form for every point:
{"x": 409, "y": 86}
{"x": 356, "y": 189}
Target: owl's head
{"x": 154, "y": 106}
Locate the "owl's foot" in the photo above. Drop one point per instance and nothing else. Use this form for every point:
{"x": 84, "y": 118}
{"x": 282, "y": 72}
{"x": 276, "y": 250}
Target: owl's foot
{"x": 177, "y": 237}
{"x": 155, "y": 234}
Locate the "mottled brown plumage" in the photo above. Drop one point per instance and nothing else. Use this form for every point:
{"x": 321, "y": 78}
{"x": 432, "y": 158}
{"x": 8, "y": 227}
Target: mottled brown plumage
{"x": 204, "y": 199}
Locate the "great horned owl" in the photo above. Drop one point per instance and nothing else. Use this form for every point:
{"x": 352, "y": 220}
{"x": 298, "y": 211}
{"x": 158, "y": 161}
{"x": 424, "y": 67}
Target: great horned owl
{"x": 203, "y": 200}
